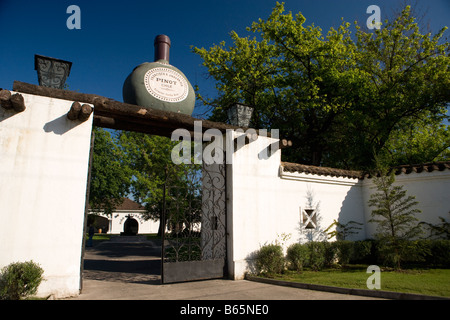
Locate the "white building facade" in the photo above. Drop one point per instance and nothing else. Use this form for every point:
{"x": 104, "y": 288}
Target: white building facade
{"x": 114, "y": 223}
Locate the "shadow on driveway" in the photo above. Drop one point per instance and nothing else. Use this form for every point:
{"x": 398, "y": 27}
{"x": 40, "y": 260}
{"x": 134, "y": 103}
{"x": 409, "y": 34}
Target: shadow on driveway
{"x": 131, "y": 262}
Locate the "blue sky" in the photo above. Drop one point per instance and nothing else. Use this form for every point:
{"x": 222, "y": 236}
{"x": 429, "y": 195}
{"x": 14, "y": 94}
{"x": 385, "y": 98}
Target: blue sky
{"x": 116, "y": 36}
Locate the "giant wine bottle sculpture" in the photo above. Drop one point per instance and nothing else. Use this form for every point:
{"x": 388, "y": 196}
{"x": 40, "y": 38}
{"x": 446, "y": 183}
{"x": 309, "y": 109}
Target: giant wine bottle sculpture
{"x": 158, "y": 84}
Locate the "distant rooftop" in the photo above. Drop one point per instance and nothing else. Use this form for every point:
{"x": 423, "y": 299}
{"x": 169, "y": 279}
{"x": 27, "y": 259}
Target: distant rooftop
{"x": 127, "y": 205}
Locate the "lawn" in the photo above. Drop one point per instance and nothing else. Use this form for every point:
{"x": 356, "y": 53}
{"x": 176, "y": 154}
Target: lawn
{"x": 433, "y": 282}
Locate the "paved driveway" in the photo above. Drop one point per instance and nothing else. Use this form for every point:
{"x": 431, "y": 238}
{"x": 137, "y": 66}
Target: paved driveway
{"x": 131, "y": 271}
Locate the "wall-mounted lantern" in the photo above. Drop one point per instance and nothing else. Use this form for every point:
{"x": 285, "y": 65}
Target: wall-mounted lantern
{"x": 51, "y": 72}
{"x": 240, "y": 114}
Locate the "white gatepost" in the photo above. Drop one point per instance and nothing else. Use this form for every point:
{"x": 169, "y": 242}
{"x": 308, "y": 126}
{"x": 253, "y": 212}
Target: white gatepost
{"x": 44, "y": 162}
{"x": 250, "y": 197}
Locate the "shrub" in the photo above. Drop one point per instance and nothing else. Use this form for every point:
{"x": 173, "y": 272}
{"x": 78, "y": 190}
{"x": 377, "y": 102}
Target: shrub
{"x": 19, "y": 280}
{"x": 344, "y": 251}
{"x": 297, "y": 256}
{"x": 316, "y": 255}
{"x": 362, "y": 251}
{"x": 329, "y": 253}
{"x": 270, "y": 259}
{"x": 393, "y": 253}
{"x": 439, "y": 253}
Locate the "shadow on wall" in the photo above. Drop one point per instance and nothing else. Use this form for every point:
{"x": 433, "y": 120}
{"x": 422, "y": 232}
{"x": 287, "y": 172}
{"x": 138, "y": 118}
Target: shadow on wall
{"x": 351, "y": 219}
{"x": 61, "y": 125}
{"x": 6, "y": 113}
{"x": 251, "y": 263}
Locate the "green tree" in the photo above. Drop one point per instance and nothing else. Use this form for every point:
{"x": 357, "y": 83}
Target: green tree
{"x": 339, "y": 97}
{"x": 156, "y": 177}
{"x": 394, "y": 213}
{"x": 420, "y": 141}
{"x": 110, "y": 175}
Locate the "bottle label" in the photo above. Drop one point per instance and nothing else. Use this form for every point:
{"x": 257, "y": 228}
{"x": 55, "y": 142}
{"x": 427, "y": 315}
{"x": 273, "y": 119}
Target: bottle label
{"x": 166, "y": 84}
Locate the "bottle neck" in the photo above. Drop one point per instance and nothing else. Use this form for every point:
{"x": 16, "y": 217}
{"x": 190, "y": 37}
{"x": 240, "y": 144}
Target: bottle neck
{"x": 162, "y": 48}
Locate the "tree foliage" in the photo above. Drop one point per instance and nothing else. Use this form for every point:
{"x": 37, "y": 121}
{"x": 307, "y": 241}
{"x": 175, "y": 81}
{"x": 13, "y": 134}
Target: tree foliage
{"x": 110, "y": 175}
{"x": 395, "y": 216}
{"x": 139, "y": 166}
{"x": 157, "y": 179}
{"x": 339, "y": 96}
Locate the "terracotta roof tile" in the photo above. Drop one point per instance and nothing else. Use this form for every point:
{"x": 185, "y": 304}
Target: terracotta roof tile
{"x": 418, "y": 168}
{"x": 326, "y": 171}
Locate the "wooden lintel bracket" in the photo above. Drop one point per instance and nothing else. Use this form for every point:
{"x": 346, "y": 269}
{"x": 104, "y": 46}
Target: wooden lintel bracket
{"x": 285, "y": 143}
{"x": 9, "y": 101}
{"x": 85, "y": 112}
{"x": 79, "y": 111}
{"x": 74, "y": 111}
{"x": 5, "y": 96}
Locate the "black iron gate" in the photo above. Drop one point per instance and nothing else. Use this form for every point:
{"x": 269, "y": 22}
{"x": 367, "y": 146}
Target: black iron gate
{"x": 194, "y": 212}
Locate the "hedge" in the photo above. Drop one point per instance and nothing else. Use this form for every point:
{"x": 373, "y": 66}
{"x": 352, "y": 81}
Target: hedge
{"x": 317, "y": 255}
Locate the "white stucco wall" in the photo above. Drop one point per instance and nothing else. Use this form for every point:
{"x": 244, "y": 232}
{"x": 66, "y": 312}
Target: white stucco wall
{"x": 264, "y": 202}
{"x": 44, "y": 161}
{"x": 432, "y": 192}
{"x": 118, "y": 218}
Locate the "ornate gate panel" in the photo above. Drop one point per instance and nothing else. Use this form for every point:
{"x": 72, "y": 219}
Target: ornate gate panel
{"x": 194, "y": 241}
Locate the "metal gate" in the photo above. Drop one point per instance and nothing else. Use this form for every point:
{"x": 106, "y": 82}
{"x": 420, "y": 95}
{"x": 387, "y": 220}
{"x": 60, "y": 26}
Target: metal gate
{"x": 194, "y": 212}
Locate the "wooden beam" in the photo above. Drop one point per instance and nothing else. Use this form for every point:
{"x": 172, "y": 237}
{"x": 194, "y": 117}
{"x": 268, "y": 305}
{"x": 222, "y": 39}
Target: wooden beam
{"x": 118, "y": 124}
{"x": 127, "y": 116}
{"x": 110, "y": 108}
{"x": 54, "y": 93}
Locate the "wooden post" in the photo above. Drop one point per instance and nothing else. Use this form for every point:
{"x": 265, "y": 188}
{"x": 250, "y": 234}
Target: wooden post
{"x": 79, "y": 112}
{"x": 85, "y": 112}
{"x": 285, "y": 143}
{"x": 5, "y": 96}
{"x": 17, "y": 102}
{"x": 74, "y": 111}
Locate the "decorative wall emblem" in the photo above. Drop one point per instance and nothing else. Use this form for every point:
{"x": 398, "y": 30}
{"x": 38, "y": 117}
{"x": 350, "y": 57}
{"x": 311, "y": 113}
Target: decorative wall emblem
{"x": 308, "y": 218}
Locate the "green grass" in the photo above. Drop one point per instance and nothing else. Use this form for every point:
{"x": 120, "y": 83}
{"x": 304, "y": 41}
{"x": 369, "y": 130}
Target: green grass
{"x": 433, "y": 282}
{"x": 101, "y": 236}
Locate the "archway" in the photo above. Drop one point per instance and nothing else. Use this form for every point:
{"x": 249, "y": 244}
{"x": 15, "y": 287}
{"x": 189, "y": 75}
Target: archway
{"x": 116, "y": 115}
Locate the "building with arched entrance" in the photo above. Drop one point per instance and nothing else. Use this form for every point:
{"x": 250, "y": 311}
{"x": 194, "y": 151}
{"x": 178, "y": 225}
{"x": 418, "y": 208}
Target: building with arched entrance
{"x": 114, "y": 223}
